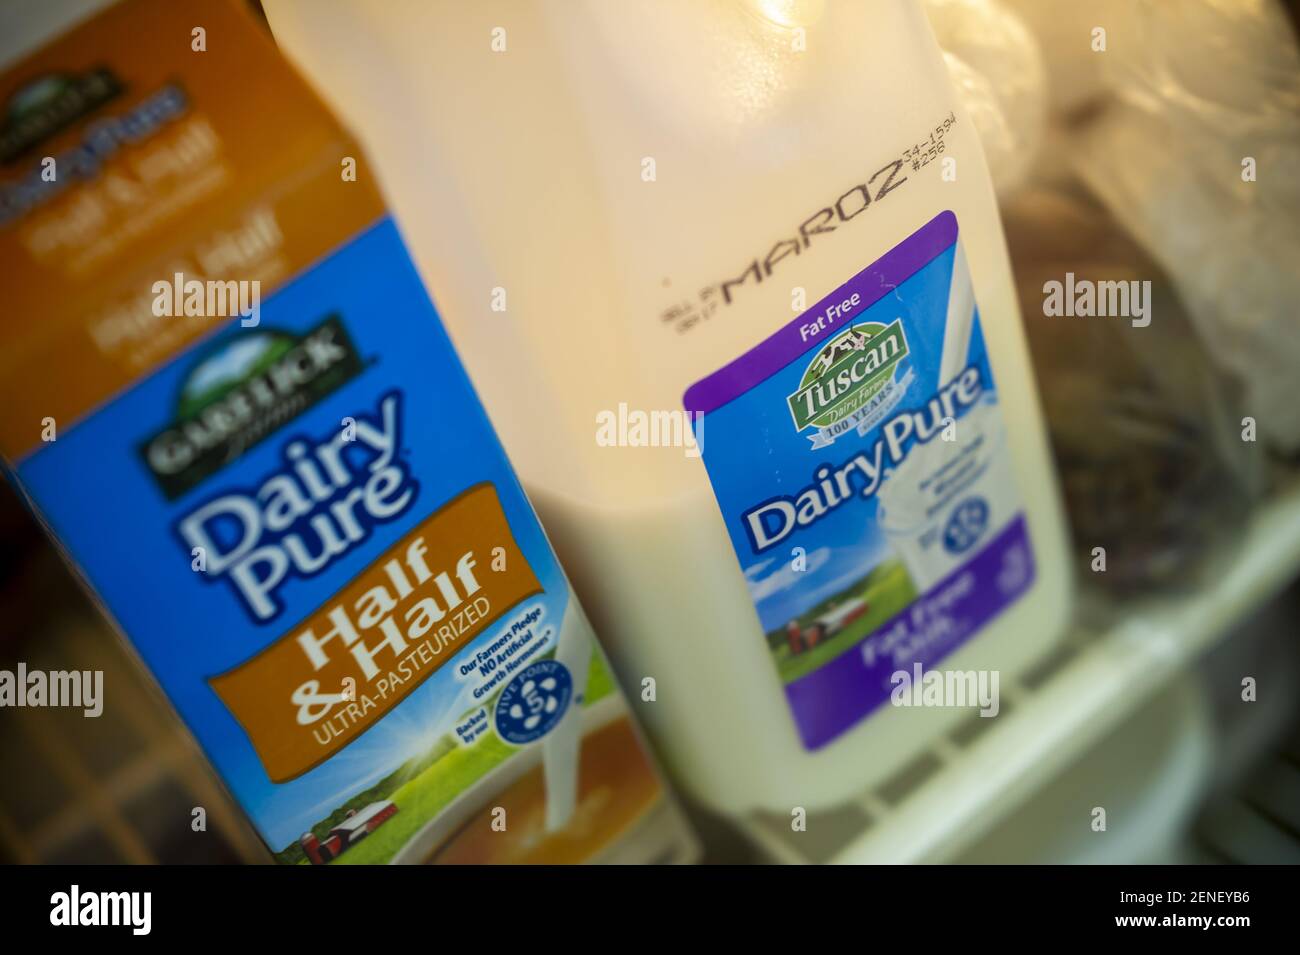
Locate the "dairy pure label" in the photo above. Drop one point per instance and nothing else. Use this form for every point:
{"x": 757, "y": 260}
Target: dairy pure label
{"x": 859, "y": 460}
{"x": 317, "y": 546}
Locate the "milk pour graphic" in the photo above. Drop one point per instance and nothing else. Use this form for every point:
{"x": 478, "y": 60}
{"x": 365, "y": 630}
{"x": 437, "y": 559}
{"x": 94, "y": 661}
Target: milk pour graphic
{"x": 942, "y": 500}
{"x": 561, "y": 747}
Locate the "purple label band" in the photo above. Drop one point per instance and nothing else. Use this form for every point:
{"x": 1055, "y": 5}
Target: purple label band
{"x": 872, "y": 284}
{"x": 832, "y": 699}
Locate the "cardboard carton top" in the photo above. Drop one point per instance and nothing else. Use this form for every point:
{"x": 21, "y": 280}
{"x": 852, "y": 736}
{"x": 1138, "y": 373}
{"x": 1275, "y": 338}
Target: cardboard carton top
{"x": 134, "y": 148}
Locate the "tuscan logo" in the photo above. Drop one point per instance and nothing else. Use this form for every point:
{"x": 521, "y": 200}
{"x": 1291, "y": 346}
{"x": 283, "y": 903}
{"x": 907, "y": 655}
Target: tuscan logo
{"x": 851, "y": 382}
{"x": 50, "y": 104}
{"x": 244, "y": 389}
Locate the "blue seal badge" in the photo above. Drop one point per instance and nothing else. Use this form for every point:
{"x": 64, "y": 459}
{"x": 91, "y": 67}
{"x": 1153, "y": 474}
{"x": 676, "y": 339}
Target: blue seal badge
{"x": 534, "y": 702}
{"x": 967, "y": 523}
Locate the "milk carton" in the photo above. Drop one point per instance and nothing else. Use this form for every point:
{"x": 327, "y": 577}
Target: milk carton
{"x": 229, "y": 399}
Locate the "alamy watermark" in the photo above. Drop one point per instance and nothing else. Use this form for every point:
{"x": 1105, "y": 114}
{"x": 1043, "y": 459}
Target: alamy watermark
{"x": 1084, "y": 298}
{"x": 210, "y": 298}
{"x": 132, "y": 910}
{"x": 947, "y": 688}
{"x": 635, "y": 428}
{"x": 77, "y": 689}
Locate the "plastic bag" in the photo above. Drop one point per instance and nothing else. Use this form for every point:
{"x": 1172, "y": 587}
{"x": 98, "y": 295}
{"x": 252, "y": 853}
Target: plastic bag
{"x": 1143, "y": 428}
{"x": 1063, "y": 30}
{"x": 1197, "y": 158}
{"x": 995, "y": 65}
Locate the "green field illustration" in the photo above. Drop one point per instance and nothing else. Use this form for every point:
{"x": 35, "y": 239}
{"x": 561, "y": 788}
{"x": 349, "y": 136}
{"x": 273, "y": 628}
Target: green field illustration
{"x": 423, "y": 787}
{"x": 839, "y": 622}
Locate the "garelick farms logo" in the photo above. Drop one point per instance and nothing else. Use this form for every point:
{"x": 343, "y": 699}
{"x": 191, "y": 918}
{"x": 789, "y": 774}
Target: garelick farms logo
{"x": 851, "y": 382}
{"x": 49, "y": 104}
{"x": 235, "y": 396}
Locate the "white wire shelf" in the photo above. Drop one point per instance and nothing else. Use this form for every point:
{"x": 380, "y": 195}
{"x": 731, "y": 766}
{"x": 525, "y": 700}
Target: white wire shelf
{"x": 952, "y": 794}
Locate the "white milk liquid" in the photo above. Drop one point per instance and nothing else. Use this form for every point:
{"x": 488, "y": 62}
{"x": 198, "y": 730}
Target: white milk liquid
{"x": 612, "y": 160}
{"x": 946, "y": 497}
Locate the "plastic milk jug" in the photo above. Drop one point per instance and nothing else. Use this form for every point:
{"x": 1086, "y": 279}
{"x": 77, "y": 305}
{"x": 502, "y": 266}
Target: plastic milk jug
{"x": 228, "y": 397}
{"x": 733, "y": 278}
